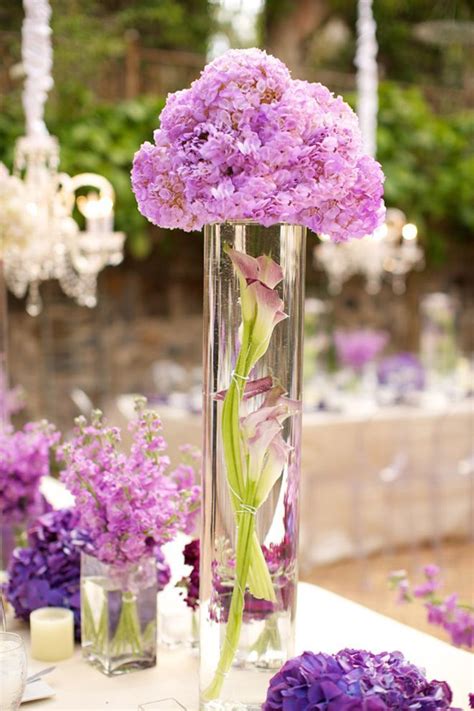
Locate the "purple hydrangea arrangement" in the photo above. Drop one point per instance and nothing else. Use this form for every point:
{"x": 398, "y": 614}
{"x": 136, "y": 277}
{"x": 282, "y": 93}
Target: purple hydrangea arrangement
{"x": 129, "y": 504}
{"x": 246, "y": 141}
{"x": 403, "y": 372}
{"x": 24, "y": 461}
{"x": 355, "y": 349}
{"x": 46, "y": 573}
{"x": 448, "y": 612}
{"x": 354, "y": 680}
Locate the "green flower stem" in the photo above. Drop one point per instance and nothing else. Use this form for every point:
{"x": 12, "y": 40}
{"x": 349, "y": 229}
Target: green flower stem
{"x": 234, "y": 621}
{"x": 127, "y": 635}
{"x": 88, "y": 626}
{"x": 251, "y": 566}
{"x": 269, "y": 637}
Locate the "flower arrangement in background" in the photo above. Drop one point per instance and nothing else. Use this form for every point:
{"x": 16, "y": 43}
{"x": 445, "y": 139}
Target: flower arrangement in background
{"x": 447, "y": 612}
{"x": 16, "y": 221}
{"x": 355, "y": 349}
{"x": 354, "y": 679}
{"x": 24, "y": 461}
{"x": 129, "y": 504}
{"x": 246, "y": 141}
{"x": 403, "y": 372}
{"x": 47, "y": 572}
{"x": 12, "y": 400}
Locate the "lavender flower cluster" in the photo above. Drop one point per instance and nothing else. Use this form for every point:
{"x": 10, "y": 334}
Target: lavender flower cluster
{"x": 354, "y": 680}
{"x": 24, "y": 460}
{"x": 246, "y": 141}
{"x": 47, "y": 572}
{"x": 129, "y": 504}
{"x": 447, "y": 612}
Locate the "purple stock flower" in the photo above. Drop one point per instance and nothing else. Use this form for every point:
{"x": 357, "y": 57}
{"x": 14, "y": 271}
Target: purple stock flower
{"x": 245, "y": 141}
{"x": 24, "y": 461}
{"x": 402, "y": 371}
{"x": 354, "y": 680}
{"x": 129, "y": 504}
{"x": 456, "y": 618}
{"x": 357, "y": 348}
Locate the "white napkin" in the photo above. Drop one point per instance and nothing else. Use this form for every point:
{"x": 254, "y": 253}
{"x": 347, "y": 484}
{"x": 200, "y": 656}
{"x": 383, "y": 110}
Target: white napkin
{"x": 37, "y": 690}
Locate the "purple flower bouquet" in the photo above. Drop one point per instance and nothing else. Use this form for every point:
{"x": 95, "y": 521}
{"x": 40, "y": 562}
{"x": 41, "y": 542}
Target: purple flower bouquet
{"x": 129, "y": 505}
{"x": 354, "y": 680}
{"x": 24, "y": 461}
{"x": 255, "y": 157}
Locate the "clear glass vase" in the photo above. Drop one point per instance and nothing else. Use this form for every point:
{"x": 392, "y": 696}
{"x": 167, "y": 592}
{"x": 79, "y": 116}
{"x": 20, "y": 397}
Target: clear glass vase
{"x": 118, "y": 615}
{"x": 253, "y": 336}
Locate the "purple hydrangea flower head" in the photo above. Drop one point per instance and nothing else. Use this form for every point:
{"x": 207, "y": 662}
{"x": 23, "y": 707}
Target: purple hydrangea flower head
{"x": 24, "y": 461}
{"x": 357, "y": 348}
{"x": 47, "y": 572}
{"x": 354, "y": 680}
{"x": 402, "y": 371}
{"x": 246, "y": 141}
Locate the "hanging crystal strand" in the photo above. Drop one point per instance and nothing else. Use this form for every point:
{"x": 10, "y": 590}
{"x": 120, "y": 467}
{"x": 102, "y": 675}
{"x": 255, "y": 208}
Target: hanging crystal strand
{"x": 367, "y": 76}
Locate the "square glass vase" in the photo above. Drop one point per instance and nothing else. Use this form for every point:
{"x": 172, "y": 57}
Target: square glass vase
{"x": 118, "y": 614}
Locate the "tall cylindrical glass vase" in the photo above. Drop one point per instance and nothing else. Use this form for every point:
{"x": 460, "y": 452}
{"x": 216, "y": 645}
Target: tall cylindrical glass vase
{"x": 253, "y": 332}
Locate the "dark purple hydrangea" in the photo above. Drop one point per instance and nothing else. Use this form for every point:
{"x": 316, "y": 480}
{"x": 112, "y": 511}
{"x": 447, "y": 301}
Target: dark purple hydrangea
{"x": 246, "y": 141}
{"x": 47, "y": 572}
{"x": 24, "y": 461}
{"x": 354, "y": 680}
{"x": 191, "y": 554}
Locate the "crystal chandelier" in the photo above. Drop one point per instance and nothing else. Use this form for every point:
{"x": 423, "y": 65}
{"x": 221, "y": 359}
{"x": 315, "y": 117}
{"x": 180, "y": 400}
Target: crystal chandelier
{"x": 392, "y": 251}
{"x": 40, "y": 238}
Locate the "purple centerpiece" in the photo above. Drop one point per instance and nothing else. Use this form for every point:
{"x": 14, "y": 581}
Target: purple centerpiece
{"x": 357, "y": 348}
{"x": 354, "y": 680}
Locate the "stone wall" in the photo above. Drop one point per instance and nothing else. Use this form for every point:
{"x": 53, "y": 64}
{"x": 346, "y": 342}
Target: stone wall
{"x": 152, "y": 310}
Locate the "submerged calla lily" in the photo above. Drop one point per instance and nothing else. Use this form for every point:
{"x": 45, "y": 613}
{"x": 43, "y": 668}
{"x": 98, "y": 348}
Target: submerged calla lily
{"x": 262, "y": 307}
{"x": 266, "y": 449}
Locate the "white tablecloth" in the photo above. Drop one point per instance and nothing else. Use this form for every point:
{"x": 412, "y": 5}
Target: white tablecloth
{"x": 371, "y": 479}
{"x": 325, "y": 622}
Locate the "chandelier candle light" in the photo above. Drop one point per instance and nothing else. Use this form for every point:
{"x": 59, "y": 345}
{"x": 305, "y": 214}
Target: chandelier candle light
{"x": 255, "y": 157}
{"x": 39, "y": 239}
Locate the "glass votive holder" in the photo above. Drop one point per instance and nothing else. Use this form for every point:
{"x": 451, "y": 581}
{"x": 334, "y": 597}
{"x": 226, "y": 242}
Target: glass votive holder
{"x": 52, "y": 634}
{"x": 12, "y": 671}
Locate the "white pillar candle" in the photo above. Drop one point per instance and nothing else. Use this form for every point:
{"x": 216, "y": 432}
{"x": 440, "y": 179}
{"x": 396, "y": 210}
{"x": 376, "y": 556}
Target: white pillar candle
{"x": 52, "y": 634}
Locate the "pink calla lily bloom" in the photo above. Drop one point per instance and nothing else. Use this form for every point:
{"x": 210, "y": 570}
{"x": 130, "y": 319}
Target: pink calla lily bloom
{"x": 267, "y": 452}
{"x": 262, "y": 307}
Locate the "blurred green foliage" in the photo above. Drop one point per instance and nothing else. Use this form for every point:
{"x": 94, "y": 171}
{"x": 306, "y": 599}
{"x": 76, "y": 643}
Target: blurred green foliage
{"x": 90, "y": 33}
{"x": 428, "y": 159}
{"x": 402, "y": 56}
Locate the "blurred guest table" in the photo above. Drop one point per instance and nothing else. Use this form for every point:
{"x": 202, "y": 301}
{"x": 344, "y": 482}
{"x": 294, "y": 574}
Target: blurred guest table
{"x": 325, "y": 622}
{"x": 372, "y": 477}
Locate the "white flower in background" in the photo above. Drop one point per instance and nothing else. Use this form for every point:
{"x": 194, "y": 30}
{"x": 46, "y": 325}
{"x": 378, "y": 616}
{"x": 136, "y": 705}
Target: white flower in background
{"x": 16, "y": 221}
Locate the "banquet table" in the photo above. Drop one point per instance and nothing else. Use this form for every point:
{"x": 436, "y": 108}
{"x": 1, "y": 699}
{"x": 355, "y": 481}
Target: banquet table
{"x": 325, "y": 622}
{"x": 372, "y": 478}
